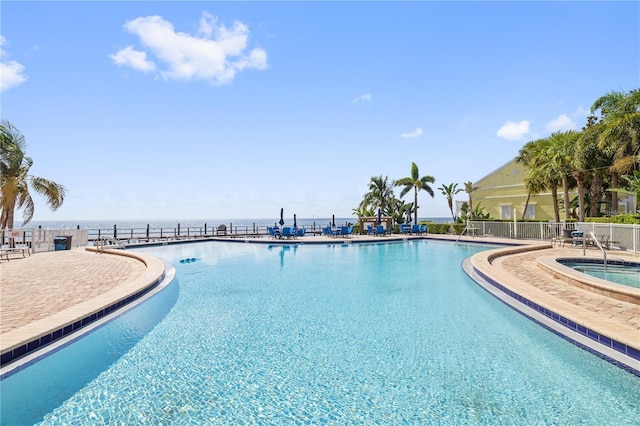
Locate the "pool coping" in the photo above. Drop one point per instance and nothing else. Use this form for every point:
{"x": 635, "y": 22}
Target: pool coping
{"x": 607, "y": 339}
{"x": 597, "y": 285}
{"x": 39, "y": 334}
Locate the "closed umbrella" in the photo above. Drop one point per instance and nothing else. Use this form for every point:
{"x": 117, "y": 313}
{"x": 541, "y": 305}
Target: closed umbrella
{"x": 281, "y": 216}
{"x": 409, "y": 215}
{"x": 333, "y": 220}
{"x": 379, "y": 216}
{"x": 295, "y": 224}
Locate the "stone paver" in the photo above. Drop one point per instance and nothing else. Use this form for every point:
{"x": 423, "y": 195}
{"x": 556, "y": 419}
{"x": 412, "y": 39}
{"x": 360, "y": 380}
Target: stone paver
{"x": 43, "y": 284}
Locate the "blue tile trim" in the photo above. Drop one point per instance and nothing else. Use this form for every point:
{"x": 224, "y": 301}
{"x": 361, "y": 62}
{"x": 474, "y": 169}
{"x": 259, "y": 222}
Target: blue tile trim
{"x": 36, "y": 344}
{"x": 565, "y": 260}
{"x": 596, "y": 337}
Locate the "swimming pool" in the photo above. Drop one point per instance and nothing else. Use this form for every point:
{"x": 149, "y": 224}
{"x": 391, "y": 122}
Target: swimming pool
{"x": 335, "y": 334}
{"x": 625, "y": 273}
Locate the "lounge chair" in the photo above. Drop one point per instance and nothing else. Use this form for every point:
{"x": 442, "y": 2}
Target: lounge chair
{"x": 288, "y": 232}
{"x": 300, "y": 232}
{"x": 370, "y": 230}
{"x": 274, "y": 232}
{"x": 328, "y": 231}
{"x": 380, "y": 230}
{"x": 404, "y": 229}
{"x": 415, "y": 229}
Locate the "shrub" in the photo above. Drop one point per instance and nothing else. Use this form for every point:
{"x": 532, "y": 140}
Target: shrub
{"x": 438, "y": 228}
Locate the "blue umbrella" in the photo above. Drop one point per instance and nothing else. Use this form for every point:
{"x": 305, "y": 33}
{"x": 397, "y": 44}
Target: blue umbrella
{"x": 281, "y": 216}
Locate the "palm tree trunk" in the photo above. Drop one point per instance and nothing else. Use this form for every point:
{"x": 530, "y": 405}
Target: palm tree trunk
{"x": 526, "y": 205}
{"x": 614, "y": 195}
{"x": 415, "y": 201}
{"x": 565, "y": 189}
{"x": 580, "y": 181}
{"x": 554, "y": 197}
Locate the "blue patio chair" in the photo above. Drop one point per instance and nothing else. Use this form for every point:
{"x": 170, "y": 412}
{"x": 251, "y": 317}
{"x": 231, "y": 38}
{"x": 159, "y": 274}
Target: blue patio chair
{"x": 274, "y": 232}
{"x": 300, "y": 232}
{"x": 380, "y": 230}
{"x": 288, "y": 232}
{"x": 350, "y": 231}
{"x": 415, "y": 229}
{"x": 404, "y": 229}
{"x": 424, "y": 229}
{"x": 344, "y": 231}
{"x": 328, "y": 231}
{"x": 370, "y": 230}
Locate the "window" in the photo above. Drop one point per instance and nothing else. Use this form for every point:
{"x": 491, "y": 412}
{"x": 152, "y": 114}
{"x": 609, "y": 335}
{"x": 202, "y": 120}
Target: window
{"x": 531, "y": 212}
{"x": 505, "y": 211}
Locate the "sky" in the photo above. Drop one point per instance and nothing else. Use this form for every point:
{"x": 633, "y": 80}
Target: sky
{"x": 187, "y": 110}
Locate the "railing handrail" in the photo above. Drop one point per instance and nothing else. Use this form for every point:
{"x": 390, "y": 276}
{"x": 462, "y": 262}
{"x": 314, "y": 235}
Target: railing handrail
{"x": 604, "y": 253}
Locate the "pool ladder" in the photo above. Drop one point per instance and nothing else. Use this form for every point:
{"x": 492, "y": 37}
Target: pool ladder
{"x": 604, "y": 253}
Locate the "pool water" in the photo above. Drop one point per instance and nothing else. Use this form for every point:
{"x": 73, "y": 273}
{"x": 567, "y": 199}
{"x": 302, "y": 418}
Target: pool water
{"x": 628, "y": 275}
{"x": 335, "y": 334}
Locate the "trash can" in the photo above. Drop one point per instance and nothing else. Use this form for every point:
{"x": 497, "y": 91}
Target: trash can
{"x": 62, "y": 243}
{"x": 68, "y": 245}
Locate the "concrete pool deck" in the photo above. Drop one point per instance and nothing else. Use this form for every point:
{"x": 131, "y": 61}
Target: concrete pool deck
{"x": 45, "y": 291}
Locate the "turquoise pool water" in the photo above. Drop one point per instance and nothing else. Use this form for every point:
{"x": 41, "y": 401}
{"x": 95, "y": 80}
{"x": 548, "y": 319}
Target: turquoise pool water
{"x": 628, "y": 275}
{"x": 354, "y": 334}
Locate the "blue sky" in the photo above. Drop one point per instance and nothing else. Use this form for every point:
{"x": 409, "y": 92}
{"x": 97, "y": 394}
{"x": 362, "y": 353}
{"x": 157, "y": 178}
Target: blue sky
{"x": 163, "y": 110}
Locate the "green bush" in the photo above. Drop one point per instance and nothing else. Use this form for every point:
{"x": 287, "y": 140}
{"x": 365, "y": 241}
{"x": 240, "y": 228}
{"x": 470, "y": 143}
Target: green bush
{"x": 629, "y": 218}
{"x": 458, "y": 228}
{"x": 438, "y": 228}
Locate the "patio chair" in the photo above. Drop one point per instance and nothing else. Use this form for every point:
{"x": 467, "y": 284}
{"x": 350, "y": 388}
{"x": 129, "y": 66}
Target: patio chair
{"x": 370, "y": 230}
{"x": 404, "y": 229}
{"x": 288, "y": 232}
{"x": 300, "y": 232}
{"x": 415, "y": 229}
{"x": 380, "y": 230}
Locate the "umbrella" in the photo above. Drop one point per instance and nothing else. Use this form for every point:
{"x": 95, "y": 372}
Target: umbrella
{"x": 379, "y": 216}
{"x": 281, "y": 217}
{"x": 295, "y": 224}
{"x": 333, "y": 220}
{"x": 409, "y": 215}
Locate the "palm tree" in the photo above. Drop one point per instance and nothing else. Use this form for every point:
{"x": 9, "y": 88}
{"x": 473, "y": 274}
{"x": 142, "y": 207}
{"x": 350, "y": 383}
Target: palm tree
{"x": 562, "y": 156}
{"x": 469, "y": 188}
{"x": 618, "y": 133}
{"x": 449, "y": 191}
{"x": 15, "y": 179}
{"x": 380, "y": 194}
{"x": 416, "y": 183}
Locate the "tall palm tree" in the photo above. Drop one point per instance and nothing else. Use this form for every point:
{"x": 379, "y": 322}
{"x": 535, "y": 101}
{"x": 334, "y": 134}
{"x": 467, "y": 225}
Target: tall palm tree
{"x": 562, "y": 157}
{"x": 450, "y": 191}
{"x": 469, "y": 189}
{"x": 380, "y": 194}
{"x": 15, "y": 179}
{"x": 416, "y": 183}
{"x": 619, "y": 133}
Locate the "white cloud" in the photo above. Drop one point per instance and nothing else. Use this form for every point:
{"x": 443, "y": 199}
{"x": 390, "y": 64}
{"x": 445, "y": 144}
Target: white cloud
{"x": 563, "y": 122}
{"x": 216, "y": 55}
{"x": 417, "y": 132}
{"x": 468, "y": 119}
{"x": 11, "y": 72}
{"x": 514, "y": 131}
{"x": 366, "y": 97}
{"x": 134, "y": 59}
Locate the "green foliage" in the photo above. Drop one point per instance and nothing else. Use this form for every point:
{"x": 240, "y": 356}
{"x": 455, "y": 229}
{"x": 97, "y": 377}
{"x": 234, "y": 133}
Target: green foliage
{"x": 439, "y": 228}
{"x": 629, "y": 219}
{"x": 458, "y": 228}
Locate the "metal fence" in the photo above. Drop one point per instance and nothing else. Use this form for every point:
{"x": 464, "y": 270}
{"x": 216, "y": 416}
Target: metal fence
{"x": 620, "y": 236}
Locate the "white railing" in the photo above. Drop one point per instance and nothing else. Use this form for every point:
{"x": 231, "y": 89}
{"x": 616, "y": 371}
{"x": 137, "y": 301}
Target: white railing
{"x": 620, "y": 236}
{"x": 41, "y": 240}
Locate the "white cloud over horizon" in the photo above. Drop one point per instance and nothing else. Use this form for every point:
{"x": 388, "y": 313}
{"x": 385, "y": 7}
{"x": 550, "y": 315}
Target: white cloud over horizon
{"x": 513, "y": 131}
{"x": 11, "y": 72}
{"x": 417, "y": 132}
{"x": 215, "y": 55}
{"x": 364, "y": 97}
